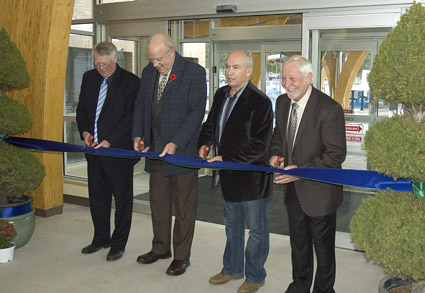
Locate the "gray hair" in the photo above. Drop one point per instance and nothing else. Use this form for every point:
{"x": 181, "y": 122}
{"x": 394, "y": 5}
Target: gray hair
{"x": 165, "y": 39}
{"x": 105, "y": 49}
{"x": 304, "y": 65}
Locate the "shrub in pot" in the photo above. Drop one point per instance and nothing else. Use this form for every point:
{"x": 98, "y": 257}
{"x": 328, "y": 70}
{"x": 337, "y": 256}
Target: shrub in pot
{"x": 390, "y": 225}
{"x": 20, "y": 170}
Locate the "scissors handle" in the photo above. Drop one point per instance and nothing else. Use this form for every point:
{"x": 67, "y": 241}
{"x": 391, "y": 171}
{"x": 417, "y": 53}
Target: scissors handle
{"x": 206, "y": 150}
{"x": 141, "y": 144}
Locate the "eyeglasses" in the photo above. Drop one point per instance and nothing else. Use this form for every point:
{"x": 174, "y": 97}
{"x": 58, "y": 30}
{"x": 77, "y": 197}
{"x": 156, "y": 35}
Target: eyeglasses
{"x": 160, "y": 59}
{"x": 100, "y": 65}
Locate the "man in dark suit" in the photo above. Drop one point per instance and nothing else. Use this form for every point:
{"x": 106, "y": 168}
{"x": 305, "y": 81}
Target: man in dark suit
{"x": 104, "y": 118}
{"x": 318, "y": 142}
{"x": 239, "y": 126}
{"x": 167, "y": 119}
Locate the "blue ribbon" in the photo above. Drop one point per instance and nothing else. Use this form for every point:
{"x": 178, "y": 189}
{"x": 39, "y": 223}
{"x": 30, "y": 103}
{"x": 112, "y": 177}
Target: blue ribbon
{"x": 355, "y": 178}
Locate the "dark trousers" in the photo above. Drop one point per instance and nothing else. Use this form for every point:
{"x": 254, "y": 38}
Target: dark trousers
{"x": 164, "y": 191}
{"x": 306, "y": 232}
{"x": 109, "y": 177}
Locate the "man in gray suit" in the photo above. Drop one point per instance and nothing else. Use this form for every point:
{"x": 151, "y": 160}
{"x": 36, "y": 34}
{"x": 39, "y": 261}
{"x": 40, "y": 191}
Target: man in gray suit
{"x": 167, "y": 119}
{"x": 316, "y": 140}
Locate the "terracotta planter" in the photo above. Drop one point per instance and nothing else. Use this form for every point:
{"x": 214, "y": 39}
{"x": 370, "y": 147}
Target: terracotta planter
{"x": 6, "y": 254}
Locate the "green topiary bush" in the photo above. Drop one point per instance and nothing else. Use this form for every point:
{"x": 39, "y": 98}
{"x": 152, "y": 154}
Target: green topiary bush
{"x": 396, "y": 147}
{"x": 390, "y": 225}
{"x": 13, "y": 72}
{"x": 20, "y": 170}
{"x": 397, "y": 73}
{"x": 14, "y": 117}
{"x": 23, "y": 169}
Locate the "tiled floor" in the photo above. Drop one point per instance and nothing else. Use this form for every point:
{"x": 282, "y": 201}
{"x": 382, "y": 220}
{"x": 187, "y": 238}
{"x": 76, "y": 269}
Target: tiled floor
{"x": 52, "y": 262}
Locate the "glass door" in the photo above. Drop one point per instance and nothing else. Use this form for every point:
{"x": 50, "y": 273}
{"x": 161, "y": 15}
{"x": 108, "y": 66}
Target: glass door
{"x": 345, "y": 60}
{"x": 274, "y": 54}
{"x": 267, "y": 58}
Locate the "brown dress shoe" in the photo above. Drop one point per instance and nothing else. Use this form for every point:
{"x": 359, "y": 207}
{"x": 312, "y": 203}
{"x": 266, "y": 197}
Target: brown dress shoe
{"x": 151, "y": 257}
{"x": 221, "y": 278}
{"x": 248, "y": 287}
{"x": 178, "y": 267}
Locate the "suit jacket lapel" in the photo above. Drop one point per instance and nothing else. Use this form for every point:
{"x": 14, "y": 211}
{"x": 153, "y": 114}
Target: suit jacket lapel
{"x": 177, "y": 67}
{"x": 237, "y": 109}
{"x": 284, "y": 113}
{"x": 113, "y": 86}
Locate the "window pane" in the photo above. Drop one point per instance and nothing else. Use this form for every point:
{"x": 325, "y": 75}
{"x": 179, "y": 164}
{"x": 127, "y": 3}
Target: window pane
{"x": 126, "y": 54}
{"x": 258, "y": 20}
{"x": 113, "y": 1}
{"x": 79, "y": 61}
{"x": 86, "y": 27}
{"x": 193, "y": 29}
{"x": 75, "y": 163}
{"x": 199, "y": 53}
{"x": 83, "y": 9}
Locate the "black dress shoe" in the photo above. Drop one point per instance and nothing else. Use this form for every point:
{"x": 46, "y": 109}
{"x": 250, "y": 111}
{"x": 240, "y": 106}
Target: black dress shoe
{"x": 93, "y": 248}
{"x": 151, "y": 257}
{"x": 178, "y": 267}
{"x": 114, "y": 254}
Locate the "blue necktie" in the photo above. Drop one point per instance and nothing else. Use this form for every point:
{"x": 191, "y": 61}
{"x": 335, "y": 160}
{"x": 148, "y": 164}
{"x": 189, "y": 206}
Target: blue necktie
{"x": 101, "y": 100}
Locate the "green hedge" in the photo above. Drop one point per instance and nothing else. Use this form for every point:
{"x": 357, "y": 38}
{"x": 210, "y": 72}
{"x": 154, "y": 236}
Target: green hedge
{"x": 390, "y": 227}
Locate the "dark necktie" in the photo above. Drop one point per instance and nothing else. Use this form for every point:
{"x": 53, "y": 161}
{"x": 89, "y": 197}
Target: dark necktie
{"x": 290, "y": 135}
{"x": 100, "y": 101}
{"x": 226, "y": 113}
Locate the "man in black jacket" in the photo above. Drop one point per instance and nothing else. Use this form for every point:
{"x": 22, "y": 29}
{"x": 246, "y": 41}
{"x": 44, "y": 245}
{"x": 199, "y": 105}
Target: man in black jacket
{"x": 104, "y": 118}
{"x": 239, "y": 125}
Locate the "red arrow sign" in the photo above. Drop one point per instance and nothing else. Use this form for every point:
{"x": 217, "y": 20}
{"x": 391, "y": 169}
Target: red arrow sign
{"x": 353, "y": 128}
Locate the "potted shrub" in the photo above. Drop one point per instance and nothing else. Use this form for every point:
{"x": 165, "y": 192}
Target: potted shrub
{"x": 390, "y": 225}
{"x": 20, "y": 170}
{"x": 7, "y": 246}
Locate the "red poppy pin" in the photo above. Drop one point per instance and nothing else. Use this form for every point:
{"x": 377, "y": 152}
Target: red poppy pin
{"x": 172, "y": 76}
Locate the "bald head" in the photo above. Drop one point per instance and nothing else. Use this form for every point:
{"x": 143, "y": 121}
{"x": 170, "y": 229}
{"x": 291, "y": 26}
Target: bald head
{"x": 161, "y": 52}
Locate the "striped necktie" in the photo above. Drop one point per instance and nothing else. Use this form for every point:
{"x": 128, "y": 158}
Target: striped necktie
{"x": 101, "y": 100}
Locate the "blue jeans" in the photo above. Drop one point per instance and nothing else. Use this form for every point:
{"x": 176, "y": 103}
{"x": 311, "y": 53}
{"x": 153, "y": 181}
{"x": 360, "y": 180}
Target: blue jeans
{"x": 255, "y": 213}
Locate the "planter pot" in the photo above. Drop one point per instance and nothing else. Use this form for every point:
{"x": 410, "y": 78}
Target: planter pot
{"x": 6, "y": 254}
{"x": 25, "y": 226}
{"x": 21, "y": 214}
{"x": 23, "y": 206}
{"x": 390, "y": 282}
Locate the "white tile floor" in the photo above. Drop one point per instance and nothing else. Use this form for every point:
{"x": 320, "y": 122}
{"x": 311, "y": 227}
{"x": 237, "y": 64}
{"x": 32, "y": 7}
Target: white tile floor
{"x": 52, "y": 262}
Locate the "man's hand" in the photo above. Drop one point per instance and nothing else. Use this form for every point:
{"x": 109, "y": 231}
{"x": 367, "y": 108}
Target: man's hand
{"x": 216, "y": 158}
{"x": 138, "y": 144}
{"x": 276, "y": 161}
{"x": 283, "y": 179}
{"x": 170, "y": 148}
{"x": 103, "y": 144}
{"x": 88, "y": 139}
